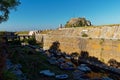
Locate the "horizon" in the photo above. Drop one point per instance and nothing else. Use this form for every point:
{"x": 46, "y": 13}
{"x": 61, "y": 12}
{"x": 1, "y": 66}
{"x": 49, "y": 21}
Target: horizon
{"x": 48, "y": 14}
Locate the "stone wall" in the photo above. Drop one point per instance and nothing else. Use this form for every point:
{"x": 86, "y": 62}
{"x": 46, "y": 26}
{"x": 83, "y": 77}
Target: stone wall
{"x": 39, "y": 37}
{"x": 102, "y": 42}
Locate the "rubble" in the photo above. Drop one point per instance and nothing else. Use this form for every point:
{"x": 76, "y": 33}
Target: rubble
{"x": 15, "y": 69}
{"x": 47, "y": 73}
{"x": 84, "y": 68}
{"x": 62, "y": 76}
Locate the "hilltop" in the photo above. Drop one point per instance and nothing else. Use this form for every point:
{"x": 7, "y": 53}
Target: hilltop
{"x": 77, "y": 22}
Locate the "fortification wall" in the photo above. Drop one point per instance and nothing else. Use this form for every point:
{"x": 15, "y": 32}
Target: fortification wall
{"x": 102, "y": 42}
{"x": 39, "y": 37}
{"x": 103, "y": 49}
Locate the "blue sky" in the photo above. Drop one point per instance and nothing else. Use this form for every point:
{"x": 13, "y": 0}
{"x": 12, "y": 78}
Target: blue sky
{"x": 48, "y": 14}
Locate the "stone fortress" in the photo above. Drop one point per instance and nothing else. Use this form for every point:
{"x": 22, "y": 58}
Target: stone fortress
{"x": 101, "y": 42}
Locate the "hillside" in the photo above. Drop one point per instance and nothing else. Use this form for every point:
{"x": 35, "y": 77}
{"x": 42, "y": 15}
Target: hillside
{"x": 77, "y": 22}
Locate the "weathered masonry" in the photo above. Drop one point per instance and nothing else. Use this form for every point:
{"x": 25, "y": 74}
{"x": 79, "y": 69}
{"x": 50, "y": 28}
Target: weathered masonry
{"x": 100, "y": 42}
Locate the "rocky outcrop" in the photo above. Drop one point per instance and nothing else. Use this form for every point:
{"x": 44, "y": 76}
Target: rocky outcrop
{"x": 78, "y": 22}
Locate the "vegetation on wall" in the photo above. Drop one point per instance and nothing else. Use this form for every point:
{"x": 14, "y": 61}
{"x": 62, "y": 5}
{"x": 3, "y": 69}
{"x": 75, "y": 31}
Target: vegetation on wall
{"x": 84, "y": 35}
{"x": 90, "y": 38}
{"x": 101, "y": 41}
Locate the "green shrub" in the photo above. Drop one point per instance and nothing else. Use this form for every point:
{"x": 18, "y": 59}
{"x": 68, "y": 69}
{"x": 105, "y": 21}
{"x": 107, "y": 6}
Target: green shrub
{"x": 90, "y": 38}
{"x": 84, "y": 35}
{"x": 15, "y": 42}
{"x": 31, "y": 41}
{"x": 102, "y": 40}
{"x": 102, "y": 59}
{"x": 8, "y": 75}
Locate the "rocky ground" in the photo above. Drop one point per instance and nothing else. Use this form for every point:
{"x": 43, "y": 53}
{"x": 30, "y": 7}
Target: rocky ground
{"x": 33, "y": 63}
{"x": 26, "y": 63}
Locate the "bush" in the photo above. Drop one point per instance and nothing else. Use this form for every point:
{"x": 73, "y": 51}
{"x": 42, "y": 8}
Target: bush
{"x": 90, "y": 38}
{"x": 102, "y": 40}
{"x": 8, "y": 75}
{"x": 84, "y": 35}
{"x": 31, "y": 41}
{"x": 15, "y": 42}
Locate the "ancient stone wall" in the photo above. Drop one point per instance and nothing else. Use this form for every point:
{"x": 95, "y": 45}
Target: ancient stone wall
{"x": 39, "y": 37}
{"x": 102, "y": 42}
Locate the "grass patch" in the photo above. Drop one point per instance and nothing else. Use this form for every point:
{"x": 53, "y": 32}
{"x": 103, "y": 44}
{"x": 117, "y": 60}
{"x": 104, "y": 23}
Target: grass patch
{"x": 22, "y": 32}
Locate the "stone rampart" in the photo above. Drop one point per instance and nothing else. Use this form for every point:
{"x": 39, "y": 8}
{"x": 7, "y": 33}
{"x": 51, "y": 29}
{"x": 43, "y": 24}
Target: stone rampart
{"x": 101, "y": 42}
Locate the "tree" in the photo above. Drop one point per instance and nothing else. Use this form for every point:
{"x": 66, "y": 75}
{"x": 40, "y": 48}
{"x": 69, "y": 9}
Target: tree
{"x": 84, "y": 54}
{"x": 113, "y": 62}
{"x": 74, "y": 57}
{"x": 55, "y": 46}
{"x": 74, "y": 54}
{"x": 5, "y": 7}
